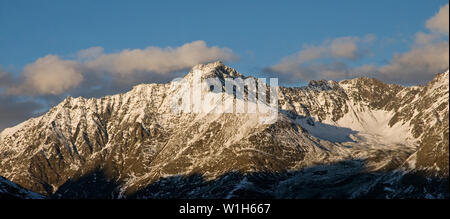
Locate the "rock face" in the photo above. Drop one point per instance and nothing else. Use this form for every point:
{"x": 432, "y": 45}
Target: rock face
{"x": 132, "y": 145}
{"x": 430, "y": 125}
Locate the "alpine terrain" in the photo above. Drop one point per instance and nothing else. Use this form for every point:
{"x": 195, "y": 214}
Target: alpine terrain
{"x": 358, "y": 138}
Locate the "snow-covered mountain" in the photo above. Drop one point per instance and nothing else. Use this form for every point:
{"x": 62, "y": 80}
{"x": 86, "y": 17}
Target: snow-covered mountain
{"x": 353, "y": 138}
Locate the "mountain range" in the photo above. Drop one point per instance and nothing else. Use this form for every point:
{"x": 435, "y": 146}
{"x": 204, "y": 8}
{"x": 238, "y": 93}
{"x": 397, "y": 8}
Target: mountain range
{"x": 356, "y": 138}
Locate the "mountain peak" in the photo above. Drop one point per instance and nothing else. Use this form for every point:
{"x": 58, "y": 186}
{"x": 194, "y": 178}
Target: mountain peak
{"x": 214, "y": 69}
{"x": 323, "y": 84}
{"x": 439, "y": 80}
{"x": 210, "y": 65}
{"x": 443, "y": 76}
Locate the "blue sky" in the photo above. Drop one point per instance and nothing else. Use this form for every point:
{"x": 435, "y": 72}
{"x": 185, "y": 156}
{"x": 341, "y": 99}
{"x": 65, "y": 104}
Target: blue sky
{"x": 261, "y": 32}
{"x": 50, "y": 49}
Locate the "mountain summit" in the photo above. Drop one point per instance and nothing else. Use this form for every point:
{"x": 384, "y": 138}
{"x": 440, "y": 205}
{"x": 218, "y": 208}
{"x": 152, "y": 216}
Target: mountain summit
{"x": 217, "y": 69}
{"x": 353, "y": 138}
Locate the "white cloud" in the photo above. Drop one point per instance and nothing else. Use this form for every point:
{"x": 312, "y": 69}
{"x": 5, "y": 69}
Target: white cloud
{"x": 48, "y": 75}
{"x": 51, "y": 75}
{"x": 90, "y": 53}
{"x": 429, "y": 54}
{"x": 418, "y": 65}
{"x": 5, "y": 79}
{"x": 422, "y": 38}
{"x": 440, "y": 21}
{"x": 345, "y": 47}
{"x": 301, "y": 66}
{"x": 159, "y": 60}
